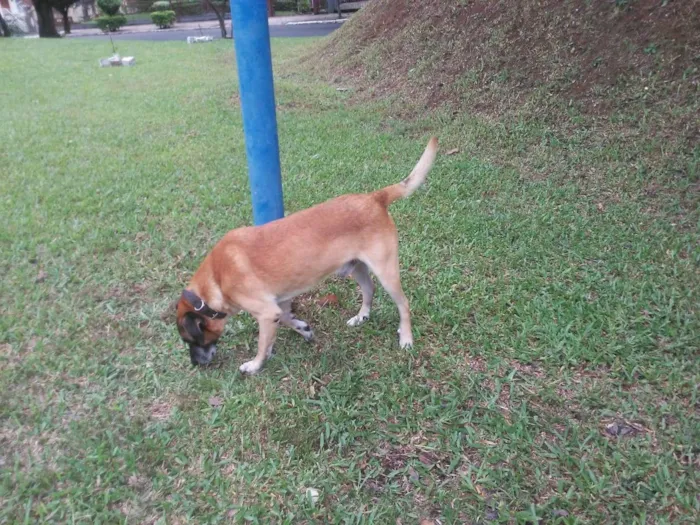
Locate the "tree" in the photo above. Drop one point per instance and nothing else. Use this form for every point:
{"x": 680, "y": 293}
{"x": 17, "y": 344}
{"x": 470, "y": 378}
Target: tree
{"x": 4, "y": 29}
{"x": 87, "y": 4}
{"x": 270, "y": 8}
{"x": 62, "y": 6}
{"x": 222, "y": 25}
{"x": 44, "y": 15}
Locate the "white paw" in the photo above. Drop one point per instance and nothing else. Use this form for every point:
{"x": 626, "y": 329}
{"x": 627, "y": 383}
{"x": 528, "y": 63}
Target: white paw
{"x": 405, "y": 342}
{"x": 250, "y": 368}
{"x": 357, "y": 320}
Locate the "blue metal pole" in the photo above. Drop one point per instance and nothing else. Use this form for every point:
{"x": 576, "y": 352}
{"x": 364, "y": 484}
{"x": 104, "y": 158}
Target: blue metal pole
{"x": 251, "y": 36}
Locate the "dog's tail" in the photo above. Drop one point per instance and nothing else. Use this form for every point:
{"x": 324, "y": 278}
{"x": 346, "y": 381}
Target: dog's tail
{"x": 417, "y": 177}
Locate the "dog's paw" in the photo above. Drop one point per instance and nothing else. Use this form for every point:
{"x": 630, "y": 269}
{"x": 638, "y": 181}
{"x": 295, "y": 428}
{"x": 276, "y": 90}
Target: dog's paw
{"x": 250, "y": 368}
{"x": 357, "y": 320}
{"x": 405, "y": 342}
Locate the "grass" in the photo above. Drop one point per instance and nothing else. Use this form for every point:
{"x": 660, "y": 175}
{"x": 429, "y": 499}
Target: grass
{"x": 555, "y": 373}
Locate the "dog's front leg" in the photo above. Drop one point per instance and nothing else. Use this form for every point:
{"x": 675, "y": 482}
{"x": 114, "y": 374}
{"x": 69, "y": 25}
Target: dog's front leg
{"x": 267, "y": 325}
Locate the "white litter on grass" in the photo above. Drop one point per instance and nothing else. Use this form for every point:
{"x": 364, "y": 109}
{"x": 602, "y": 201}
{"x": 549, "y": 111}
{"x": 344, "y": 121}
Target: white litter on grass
{"x": 312, "y": 495}
{"x": 116, "y": 60}
{"x": 198, "y": 39}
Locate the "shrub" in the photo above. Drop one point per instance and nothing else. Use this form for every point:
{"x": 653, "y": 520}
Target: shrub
{"x": 161, "y": 5}
{"x": 163, "y": 19}
{"x": 288, "y": 5}
{"x": 110, "y": 23}
{"x": 109, "y": 7}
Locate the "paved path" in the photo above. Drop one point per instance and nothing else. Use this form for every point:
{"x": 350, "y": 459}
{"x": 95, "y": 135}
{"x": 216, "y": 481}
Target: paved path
{"x": 276, "y": 31}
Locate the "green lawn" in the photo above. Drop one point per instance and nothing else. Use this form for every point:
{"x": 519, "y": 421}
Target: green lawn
{"x": 553, "y": 284}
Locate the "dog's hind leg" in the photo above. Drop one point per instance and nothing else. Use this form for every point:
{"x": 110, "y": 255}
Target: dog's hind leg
{"x": 299, "y": 326}
{"x": 360, "y": 273}
{"x": 384, "y": 263}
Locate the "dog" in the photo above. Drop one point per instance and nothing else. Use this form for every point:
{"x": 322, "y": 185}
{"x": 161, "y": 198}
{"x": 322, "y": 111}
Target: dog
{"x": 260, "y": 269}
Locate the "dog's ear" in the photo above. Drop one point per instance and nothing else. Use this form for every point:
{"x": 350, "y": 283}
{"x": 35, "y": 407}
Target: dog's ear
{"x": 194, "y": 326}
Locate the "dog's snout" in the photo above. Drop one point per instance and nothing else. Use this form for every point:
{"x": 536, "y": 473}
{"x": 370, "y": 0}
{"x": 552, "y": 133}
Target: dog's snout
{"x": 202, "y": 355}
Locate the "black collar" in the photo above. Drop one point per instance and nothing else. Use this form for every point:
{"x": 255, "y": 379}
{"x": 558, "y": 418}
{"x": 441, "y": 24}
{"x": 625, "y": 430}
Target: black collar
{"x": 201, "y": 307}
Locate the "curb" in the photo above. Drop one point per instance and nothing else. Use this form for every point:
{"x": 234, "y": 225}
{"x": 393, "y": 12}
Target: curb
{"x": 338, "y": 21}
{"x": 170, "y": 30}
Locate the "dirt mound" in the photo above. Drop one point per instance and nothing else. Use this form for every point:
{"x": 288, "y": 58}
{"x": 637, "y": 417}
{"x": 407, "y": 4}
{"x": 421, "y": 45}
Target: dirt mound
{"x": 496, "y": 55}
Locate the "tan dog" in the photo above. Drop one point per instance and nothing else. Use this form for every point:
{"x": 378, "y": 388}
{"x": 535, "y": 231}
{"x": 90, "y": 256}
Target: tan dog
{"x": 261, "y": 269}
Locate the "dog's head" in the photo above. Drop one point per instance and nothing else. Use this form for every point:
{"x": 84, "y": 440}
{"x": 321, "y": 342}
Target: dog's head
{"x": 199, "y": 331}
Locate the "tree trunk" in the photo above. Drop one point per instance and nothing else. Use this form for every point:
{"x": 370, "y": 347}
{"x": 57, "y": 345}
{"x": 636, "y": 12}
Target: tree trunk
{"x": 66, "y": 20}
{"x": 219, "y": 17}
{"x": 316, "y": 5}
{"x": 84, "y": 5}
{"x": 44, "y": 15}
{"x": 4, "y": 29}
{"x": 270, "y": 8}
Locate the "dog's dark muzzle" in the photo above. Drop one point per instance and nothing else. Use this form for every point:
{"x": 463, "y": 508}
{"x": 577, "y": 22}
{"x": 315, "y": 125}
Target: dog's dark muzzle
{"x": 202, "y": 355}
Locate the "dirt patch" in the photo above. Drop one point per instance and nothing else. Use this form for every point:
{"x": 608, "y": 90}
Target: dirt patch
{"x": 476, "y": 363}
{"x": 528, "y": 369}
{"x": 160, "y": 410}
{"x": 408, "y": 462}
{"x": 29, "y": 450}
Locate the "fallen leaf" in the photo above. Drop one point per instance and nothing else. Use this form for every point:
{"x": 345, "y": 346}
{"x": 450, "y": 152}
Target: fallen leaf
{"x": 41, "y": 276}
{"x": 623, "y": 429}
{"x": 452, "y": 151}
{"x": 215, "y": 401}
{"x": 491, "y": 514}
{"x": 327, "y": 300}
{"x": 560, "y": 512}
{"x": 600, "y": 206}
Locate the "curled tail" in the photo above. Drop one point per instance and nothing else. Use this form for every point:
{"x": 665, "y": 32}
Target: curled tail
{"x": 416, "y": 178}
